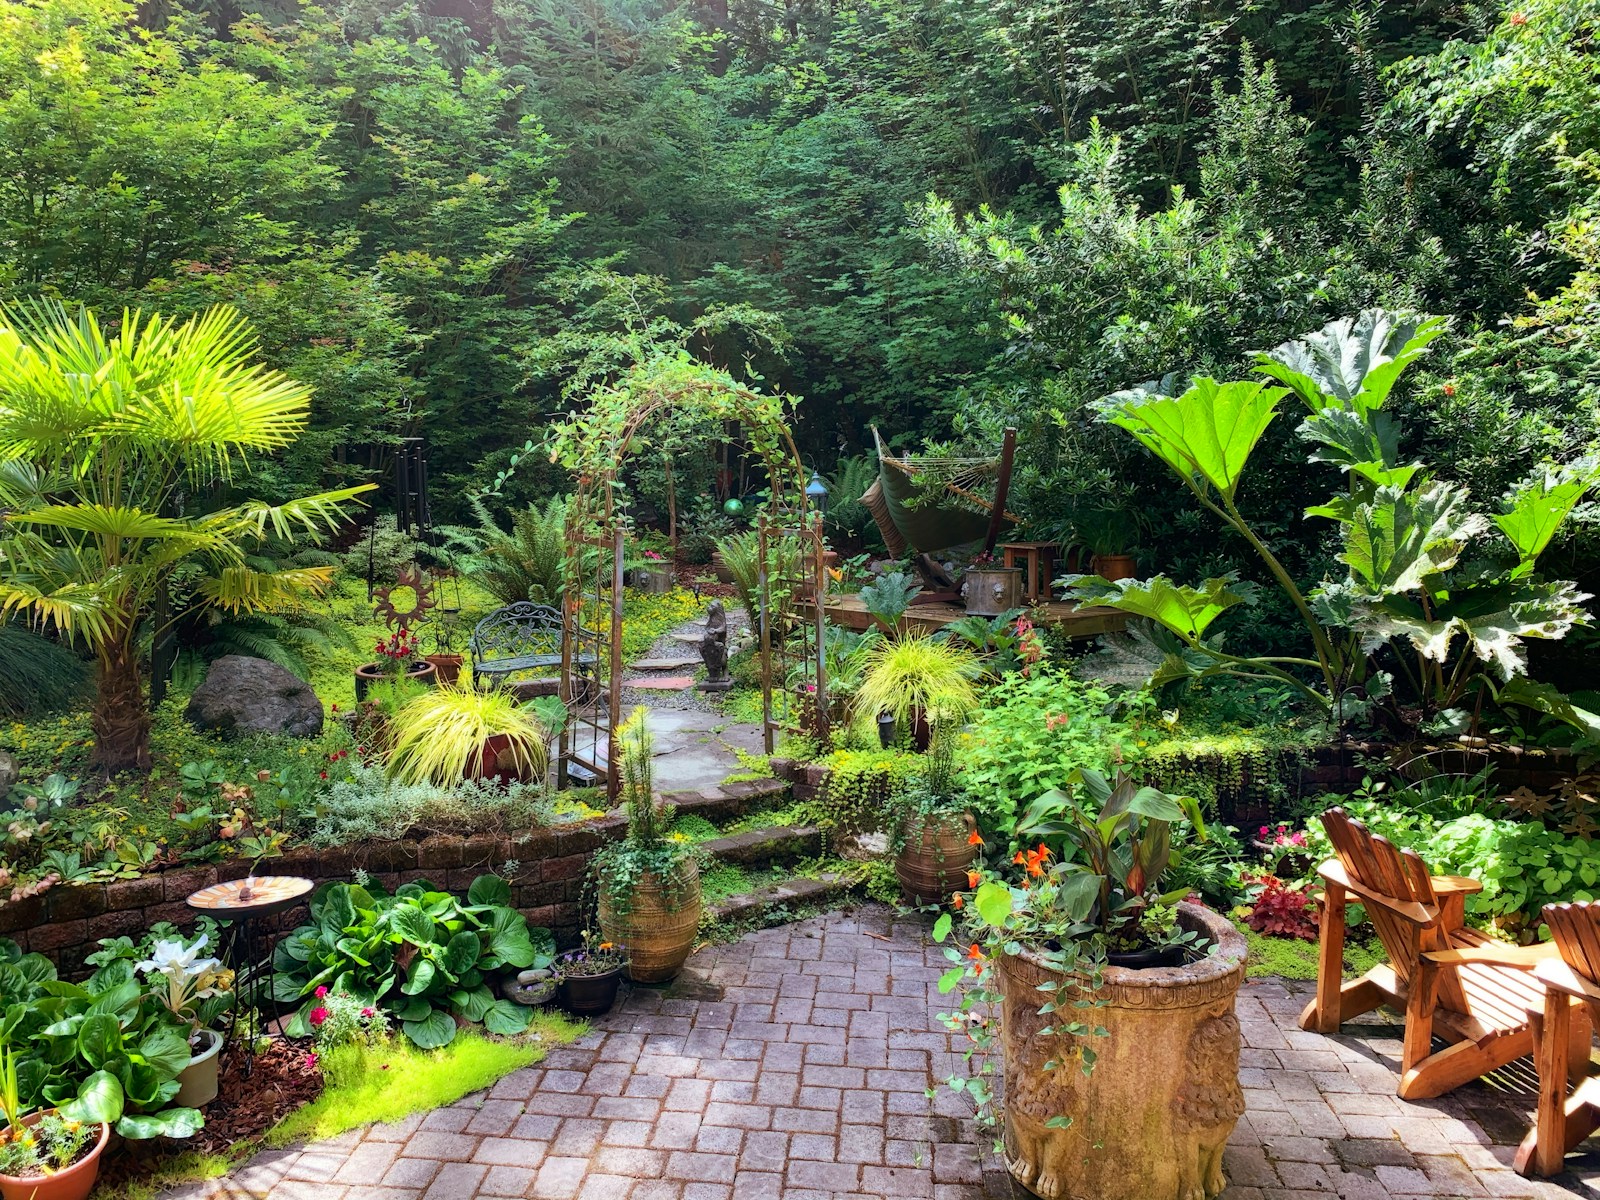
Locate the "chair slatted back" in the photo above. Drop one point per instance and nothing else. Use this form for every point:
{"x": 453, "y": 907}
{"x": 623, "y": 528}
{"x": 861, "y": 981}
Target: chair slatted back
{"x": 1376, "y": 863}
{"x": 1575, "y": 929}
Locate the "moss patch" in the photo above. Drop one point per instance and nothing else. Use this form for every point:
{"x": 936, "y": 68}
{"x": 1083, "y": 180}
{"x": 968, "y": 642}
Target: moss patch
{"x": 1291, "y": 958}
{"x": 369, "y": 1085}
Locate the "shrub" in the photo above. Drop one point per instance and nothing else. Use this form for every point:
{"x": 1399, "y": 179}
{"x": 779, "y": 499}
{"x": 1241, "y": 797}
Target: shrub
{"x": 1034, "y": 731}
{"x": 1281, "y": 910}
{"x": 369, "y": 805}
{"x": 422, "y": 955}
{"x": 40, "y": 675}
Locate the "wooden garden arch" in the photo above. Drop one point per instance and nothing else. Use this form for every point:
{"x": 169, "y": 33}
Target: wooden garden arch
{"x": 595, "y": 445}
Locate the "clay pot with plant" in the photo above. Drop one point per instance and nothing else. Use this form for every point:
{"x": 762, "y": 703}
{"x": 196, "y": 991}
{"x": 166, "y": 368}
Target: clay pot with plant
{"x": 448, "y": 734}
{"x": 936, "y": 840}
{"x": 649, "y": 882}
{"x": 587, "y": 978}
{"x": 197, "y": 990}
{"x": 1108, "y": 531}
{"x": 47, "y": 1155}
{"x": 396, "y": 658}
{"x": 1117, "y": 1029}
{"x": 989, "y": 588}
{"x": 917, "y": 683}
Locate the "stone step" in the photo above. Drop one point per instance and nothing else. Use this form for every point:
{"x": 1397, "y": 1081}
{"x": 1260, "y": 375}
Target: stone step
{"x": 665, "y": 664}
{"x": 789, "y": 891}
{"x": 780, "y": 843}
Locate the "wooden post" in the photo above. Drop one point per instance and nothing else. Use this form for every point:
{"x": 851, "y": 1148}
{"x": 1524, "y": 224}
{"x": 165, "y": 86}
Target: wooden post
{"x": 763, "y": 619}
{"x": 1002, "y": 490}
{"x": 613, "y": 768}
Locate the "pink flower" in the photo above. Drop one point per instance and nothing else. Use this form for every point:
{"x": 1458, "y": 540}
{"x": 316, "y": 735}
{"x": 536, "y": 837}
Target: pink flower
{"x": 318, "y": 1015}
{"x": 321, "y": 992}
{"x": 1266, "y": 832}
{"x": 369, "y": 1012}
{"x": 311, "y": 1059}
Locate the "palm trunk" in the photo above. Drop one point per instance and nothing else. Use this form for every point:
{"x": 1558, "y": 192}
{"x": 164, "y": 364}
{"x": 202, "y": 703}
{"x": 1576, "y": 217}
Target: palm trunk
{"x": 121, "y": 719}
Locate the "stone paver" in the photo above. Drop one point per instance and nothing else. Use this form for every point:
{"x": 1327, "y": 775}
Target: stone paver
{"x": 795, "y": 1065}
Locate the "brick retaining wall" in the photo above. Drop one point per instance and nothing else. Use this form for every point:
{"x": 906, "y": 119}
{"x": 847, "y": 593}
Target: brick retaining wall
{"x": 66, "y": 922}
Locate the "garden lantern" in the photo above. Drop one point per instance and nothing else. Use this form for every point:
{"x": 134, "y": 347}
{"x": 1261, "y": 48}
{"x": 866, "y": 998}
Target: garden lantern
{"x": 817, "y": 493}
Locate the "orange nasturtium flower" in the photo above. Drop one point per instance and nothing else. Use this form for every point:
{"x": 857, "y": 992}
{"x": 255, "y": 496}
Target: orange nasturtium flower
{"x": 957, "y": 900}
{"x": 972, "y": 879}
{"x": 975, "y": 952}
{"x": 974, "y": 838}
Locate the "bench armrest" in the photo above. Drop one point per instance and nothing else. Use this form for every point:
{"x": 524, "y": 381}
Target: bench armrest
{"x": 1522, "y": 958}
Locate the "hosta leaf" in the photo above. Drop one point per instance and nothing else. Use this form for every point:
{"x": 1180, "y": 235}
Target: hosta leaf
{"x": 1353, "y": 362}
{"x": 99, "y": 1099}
{"x": 506, "y": 1018}
{"x": 412, "y": 924}
{"x": 420, "y": 978}
{"x": 489, "y": 889}
{"x": 171, "y": 1122}
{"x": 1208, "y": 432}
{"x": 509, "y": 939}
{"x": 437, "y": 1029}
{"x": 1186, "y": 611}
{"x": 460, "y": 953}
{"x": 471, "y": 1005}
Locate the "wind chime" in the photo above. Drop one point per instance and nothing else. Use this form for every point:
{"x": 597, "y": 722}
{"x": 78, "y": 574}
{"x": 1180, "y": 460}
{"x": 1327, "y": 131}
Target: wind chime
{"x": 413, "y": 515}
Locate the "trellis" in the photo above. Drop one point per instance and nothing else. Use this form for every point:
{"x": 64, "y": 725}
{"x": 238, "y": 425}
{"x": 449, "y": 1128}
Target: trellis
{"x": 595, "y": 445}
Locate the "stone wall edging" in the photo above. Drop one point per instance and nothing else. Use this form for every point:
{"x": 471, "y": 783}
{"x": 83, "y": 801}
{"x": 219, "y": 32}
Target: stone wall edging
{"x": 66, "y": 923}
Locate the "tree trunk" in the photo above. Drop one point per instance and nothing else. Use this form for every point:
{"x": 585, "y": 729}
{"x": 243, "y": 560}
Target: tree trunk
{"x": 121, "y": 720}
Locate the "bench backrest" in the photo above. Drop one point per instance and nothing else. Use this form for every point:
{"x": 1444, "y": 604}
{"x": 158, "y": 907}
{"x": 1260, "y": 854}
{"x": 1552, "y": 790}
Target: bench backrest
{"x": 1575, "y": 929}
{"x": 515, "y": 630}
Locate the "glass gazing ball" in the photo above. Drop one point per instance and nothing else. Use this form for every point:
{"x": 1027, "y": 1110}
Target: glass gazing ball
{"x": 734, "y": 507}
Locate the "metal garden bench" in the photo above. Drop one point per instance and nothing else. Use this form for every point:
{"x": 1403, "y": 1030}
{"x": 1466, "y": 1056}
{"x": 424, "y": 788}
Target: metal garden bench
{"x": 525, "y": 636}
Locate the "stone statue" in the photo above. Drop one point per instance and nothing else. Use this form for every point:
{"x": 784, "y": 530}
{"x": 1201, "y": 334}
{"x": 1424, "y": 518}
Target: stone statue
{"x": 714, "y": 650}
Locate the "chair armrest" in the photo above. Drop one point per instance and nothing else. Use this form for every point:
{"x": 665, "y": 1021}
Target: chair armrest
{"x": 1556, "y": 974}
{"x": 1407, "y": 910}
{"x": 1522, "y": 958}
{"x": 1463, "y": 884}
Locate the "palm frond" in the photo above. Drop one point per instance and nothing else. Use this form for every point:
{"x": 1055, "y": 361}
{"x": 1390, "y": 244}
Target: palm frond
{"x": 314, "y": 514}
{"x": 241, "y": 589}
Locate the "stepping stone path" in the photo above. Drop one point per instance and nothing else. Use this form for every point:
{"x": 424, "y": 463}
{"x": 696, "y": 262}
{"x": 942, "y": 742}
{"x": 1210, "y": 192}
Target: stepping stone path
{"x": 664, "y": 664}
{"x": 793, "y": 1063}
{"x": 665, "y": 683}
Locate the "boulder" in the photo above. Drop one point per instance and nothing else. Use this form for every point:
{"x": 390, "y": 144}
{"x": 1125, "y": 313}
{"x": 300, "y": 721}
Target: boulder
{"x": 252, "y": 695}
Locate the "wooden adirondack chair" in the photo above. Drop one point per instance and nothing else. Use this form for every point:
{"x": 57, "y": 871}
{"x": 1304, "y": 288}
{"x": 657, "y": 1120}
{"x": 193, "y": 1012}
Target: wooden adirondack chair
{"x": 1451, "y": 982}
{"x": 1562, "y": 1038}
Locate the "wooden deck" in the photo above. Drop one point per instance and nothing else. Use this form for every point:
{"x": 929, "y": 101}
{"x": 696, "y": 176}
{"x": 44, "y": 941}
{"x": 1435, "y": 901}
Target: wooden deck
{"x": 849, "y": 612}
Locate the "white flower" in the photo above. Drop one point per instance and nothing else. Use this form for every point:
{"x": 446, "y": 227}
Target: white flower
{"x": 189, "y": 977}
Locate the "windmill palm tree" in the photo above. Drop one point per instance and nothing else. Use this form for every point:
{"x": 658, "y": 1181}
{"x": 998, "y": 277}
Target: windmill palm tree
{"x": 113, "y": 448}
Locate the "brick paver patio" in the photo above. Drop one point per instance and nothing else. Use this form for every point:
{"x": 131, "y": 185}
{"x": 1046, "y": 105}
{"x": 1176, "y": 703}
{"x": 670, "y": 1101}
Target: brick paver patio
{"x": 795, "y": 1064}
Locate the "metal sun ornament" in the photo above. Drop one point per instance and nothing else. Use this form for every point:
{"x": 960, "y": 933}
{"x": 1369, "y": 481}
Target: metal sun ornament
{"x": 383, "y": 602}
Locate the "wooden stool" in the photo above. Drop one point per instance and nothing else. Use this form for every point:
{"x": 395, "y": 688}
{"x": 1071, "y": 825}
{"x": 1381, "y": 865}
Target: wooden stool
{"x": 1038, "y": 563}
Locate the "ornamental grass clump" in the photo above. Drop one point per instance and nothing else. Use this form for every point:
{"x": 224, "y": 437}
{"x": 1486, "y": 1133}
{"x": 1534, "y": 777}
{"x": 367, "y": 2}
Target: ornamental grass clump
{"x": 441, "y": 735}
{"x": 916, "y": 679}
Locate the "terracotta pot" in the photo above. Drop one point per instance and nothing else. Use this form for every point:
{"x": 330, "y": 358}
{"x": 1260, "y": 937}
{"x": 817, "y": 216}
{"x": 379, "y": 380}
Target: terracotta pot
{"x": 933, "y": 862}
{"x": 74, "y": 1183}
{"x": 446, "y": 667}
{"x": 1114, "y": 566}
{"x": 496, "y": 761}
{"x": 197, "y": 1083}
{"x": 1149, "y": 1122}
{"x": 368, "y": 674}
{"x": 589, "y": 995}
{"x": 657, "y": 937}
{"x": 990, "y": 591}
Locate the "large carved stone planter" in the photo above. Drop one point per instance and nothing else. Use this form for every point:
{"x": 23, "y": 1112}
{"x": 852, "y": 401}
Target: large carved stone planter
{"x": 1150, "y": 1121}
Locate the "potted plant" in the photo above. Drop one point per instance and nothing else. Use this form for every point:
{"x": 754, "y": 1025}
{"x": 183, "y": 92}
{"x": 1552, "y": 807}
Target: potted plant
{"x": 916, "y": 682}
{"x": 446, "y": 662}
{"x": 1108, "y": 531}
{"x": 936, "y": 840}
{"x": 587, "y": 978}
{"x": 397, "y": 657}
{"x": 448, "y": 734}
{"x": 45, "y": 1155}
{"x": 196, "y": 991}
{"x": 1121, "y": 1081}
{"x": 989, "y": 589}
{"x": 648, "y": 883}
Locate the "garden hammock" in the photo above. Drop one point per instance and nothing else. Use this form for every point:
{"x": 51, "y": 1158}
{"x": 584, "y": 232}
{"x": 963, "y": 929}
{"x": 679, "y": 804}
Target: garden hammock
{"x": 928, "y": 503}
